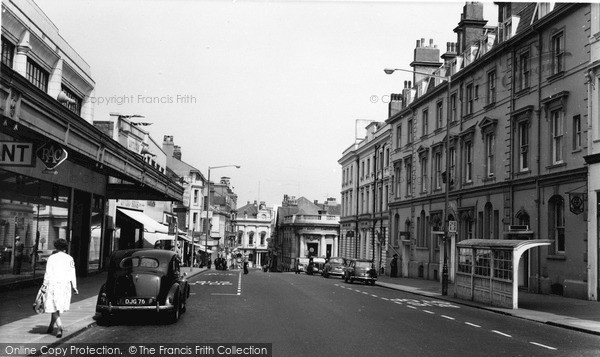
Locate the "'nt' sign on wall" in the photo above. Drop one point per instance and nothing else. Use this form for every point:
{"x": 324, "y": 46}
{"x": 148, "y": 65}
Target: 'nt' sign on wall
{"x": 14, "y": 153}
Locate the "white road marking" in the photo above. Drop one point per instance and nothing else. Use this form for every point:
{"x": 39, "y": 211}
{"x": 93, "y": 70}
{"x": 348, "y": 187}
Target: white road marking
{"x": 501, "y": 333}
{"x": 539, "y": 344}
{"x": 412, "y": 307}
{"x": 429, "y": 312}
{"x": 470, "y": 324}
{"x": 448, "y": 317}
{"x": 374, "y": 296}
{"x": 386, "y": 299}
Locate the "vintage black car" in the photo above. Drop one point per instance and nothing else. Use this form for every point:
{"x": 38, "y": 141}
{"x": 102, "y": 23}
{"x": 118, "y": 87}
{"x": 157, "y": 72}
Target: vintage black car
{"x": 362, "y": 270}
{"x": 144, "y": 280}
{"x": 334, "y": 266}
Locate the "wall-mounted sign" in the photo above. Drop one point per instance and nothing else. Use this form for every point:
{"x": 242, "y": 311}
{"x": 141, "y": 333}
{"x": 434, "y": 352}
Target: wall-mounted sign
{"x": 14, "y": 153}
{"x": 576, "y": 202}
{"x": 51, "y": 154}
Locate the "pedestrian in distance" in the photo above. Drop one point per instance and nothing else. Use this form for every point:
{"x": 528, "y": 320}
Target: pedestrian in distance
{"x": 59, "y": 281}
{"x": 245, "y": 265}
{"x": 394, "y": 266}
{"x": 18, "y": 255}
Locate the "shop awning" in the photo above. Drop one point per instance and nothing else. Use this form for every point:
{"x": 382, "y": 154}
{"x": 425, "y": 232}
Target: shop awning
{"x": 150, "y": 225}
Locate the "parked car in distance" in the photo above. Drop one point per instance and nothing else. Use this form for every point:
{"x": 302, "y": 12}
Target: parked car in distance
{"x": 334, "y": 266}
{"x": 301, "y": 265}
{"x": 147, "y": 280}
{"x": 361, "y": 270}
{"x": 43, "y": 255}
{"x": 317, "y": 266}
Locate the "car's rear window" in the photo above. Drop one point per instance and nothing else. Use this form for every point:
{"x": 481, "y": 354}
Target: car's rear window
{"x": 337, "y": 260}
{"x": 363, "y": 264}
{"x": 139, "y": 262}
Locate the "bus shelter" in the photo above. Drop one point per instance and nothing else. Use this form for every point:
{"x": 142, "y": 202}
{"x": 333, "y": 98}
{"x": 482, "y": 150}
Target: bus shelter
{"x": 488, "y": 270}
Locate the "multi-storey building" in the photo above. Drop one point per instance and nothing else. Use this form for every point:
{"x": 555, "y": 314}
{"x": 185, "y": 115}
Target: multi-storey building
{"x": 189, "y": 211}
{"x": 593, "y": 154}
{"x": 223, "y": 201}
{"x": 509, "y": 122}
{"x": 57, "y": 170}
{"x": 252, "y": 223}
{"x": 305, "y": 229}
{"x": 139, "y": 222}
{"x": 364, "y": 219}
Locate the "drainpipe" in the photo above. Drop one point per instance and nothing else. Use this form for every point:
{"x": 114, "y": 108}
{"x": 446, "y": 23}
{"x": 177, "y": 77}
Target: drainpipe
{"x": 357, "y": 203}
{"x": 537, "y": 176}
{"x": 374, "y": 204}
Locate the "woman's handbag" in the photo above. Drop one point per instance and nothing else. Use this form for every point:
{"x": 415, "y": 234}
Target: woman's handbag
{"x": 40, "y": 301}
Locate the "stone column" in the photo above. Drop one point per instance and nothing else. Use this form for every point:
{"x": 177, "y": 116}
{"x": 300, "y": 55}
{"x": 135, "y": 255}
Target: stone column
{"x": 323, "y": 246}
{"x": 20, "y": 60}
{"x": 55, "y": 80}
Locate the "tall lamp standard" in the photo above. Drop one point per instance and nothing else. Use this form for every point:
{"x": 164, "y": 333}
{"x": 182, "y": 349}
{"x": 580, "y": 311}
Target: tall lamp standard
{"x": 445, "y": 237}
{"x": 207, "y": 228}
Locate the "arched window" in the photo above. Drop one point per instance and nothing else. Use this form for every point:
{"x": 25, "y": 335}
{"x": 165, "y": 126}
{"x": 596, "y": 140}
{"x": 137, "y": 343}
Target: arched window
{"x": 251, "y": 238}
{"x": 556, "y": 220}
{"x": 240, "y": 234}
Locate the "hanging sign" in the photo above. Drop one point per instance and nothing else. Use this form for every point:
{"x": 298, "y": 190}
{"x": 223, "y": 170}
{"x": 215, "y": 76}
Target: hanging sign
{"x": 576, "y": 201}
{"x": 52, "y": 155}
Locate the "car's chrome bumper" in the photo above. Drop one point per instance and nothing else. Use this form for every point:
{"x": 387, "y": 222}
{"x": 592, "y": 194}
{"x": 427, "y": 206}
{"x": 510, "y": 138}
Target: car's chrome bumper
{"x": 113, "y": 308}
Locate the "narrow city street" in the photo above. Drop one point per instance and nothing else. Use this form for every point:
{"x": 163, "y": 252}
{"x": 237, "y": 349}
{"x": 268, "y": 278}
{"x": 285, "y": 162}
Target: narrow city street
{"x": 304, "y": 315}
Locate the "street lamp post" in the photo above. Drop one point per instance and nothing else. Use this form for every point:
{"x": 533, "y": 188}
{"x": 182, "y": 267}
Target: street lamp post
{"x": 207, "y": 228}
{"x": 445, "y": 238}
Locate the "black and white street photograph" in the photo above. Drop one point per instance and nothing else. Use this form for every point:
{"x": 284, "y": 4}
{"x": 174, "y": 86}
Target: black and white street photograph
{"x": 299, "y": 178}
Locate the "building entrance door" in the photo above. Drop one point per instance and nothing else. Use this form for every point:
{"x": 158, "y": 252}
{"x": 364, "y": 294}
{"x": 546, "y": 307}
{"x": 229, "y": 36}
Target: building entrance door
{"x": 313, "y": 249}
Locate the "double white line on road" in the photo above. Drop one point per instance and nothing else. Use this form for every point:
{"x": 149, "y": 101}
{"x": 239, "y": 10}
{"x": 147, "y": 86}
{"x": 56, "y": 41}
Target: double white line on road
{"x": 239, "y": 288}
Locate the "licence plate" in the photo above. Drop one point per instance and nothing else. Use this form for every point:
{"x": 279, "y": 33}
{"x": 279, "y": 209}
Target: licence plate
{"x": 136, "y": 301}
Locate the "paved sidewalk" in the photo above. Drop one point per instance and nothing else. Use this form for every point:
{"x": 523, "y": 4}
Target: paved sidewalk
{"x": 575, "y": 314}
{"x": 32, "y": 329}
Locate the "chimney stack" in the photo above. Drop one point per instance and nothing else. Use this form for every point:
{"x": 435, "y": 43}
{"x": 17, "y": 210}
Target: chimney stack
{"x": 177, "y": 152}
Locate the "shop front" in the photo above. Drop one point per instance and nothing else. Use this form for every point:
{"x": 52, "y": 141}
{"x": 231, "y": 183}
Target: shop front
{"x": 57, "y": 172}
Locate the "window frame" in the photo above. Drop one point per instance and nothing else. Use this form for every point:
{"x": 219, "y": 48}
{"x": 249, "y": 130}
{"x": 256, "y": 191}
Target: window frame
{"x": 557, "y": 50}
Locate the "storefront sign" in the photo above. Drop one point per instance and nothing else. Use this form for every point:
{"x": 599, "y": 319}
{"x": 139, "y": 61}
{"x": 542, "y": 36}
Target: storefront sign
{"x": 51, "y": 154}
{"x": 14, "y": 153}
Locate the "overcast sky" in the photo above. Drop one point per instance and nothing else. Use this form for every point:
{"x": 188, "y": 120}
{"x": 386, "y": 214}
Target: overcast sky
{"x": 273, "y": 86}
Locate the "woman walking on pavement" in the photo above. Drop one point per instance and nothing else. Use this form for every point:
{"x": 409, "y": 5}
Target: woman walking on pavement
{"x": 59, "y": 280}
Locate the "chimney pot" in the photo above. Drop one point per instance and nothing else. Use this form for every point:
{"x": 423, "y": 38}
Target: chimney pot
{"x": 431, "y": 42}
{"x": 418, "y": 43}
{"x": 422, "y": 42}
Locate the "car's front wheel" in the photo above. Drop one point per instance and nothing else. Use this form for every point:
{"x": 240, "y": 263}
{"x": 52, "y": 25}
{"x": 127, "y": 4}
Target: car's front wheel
{"x": 175, "y": 313}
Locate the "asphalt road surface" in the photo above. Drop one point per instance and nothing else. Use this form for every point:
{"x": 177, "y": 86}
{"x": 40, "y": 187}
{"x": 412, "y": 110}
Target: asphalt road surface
{"x": 305, "y": 315}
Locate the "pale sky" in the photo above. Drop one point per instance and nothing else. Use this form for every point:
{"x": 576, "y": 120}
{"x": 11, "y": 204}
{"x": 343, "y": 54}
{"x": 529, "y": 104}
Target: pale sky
{"x": 273, "y": 86}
